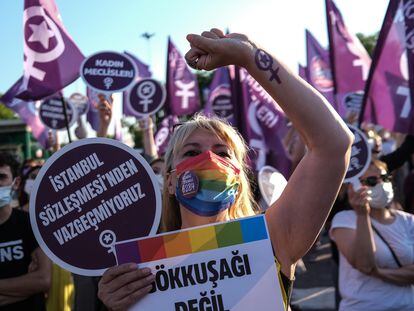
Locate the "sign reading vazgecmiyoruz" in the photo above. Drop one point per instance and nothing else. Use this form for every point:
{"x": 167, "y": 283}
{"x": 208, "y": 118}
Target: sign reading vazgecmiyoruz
{"x": 89, "y": 195}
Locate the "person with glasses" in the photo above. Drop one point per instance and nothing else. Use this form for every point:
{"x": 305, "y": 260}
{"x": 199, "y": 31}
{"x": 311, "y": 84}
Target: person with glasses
{"x": 376, "y": 246}
{"x": 211, "y": 151}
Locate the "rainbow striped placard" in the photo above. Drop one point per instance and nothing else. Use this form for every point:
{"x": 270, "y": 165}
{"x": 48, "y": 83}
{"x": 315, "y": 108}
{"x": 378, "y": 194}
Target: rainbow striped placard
{"x": 192, "y": 240}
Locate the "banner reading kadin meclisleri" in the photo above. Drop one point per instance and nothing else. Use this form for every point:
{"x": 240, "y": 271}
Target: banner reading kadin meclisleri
{"x": 225, "y": 266}
{"x": 87, "y": 196}
{"x": 108, "y": 72}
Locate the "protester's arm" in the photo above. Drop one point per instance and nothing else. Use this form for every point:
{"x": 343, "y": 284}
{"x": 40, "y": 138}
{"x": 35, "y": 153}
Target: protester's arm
{"x": 402, "y": 276}
{"x": 296, "y": 219}
{"x": 294, "y": 147}
{"x": 105, "y": 116}
{"x": 33, "y": 282}
{"x": 6, "y": 300}
{"x": 358, "y": 245}
{"x": 402, "y": 154}
{"x": 147, "y": 127}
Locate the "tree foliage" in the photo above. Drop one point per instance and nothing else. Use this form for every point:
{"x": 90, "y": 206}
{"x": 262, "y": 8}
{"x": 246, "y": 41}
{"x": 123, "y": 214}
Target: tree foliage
{"x": 368, "y": 41}
{"x": 6, "y": 113}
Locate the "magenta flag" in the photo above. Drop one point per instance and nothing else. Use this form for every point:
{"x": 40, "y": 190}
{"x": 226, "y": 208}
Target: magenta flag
{"x": 319, "y": 68}
{"x": 349, "y": 60}
{"x": 143, "y": 72}
{"x": 263, "y": 125}
{"x": 27, "y": 113}
{"x": 220, "y": 102}
{"x": 51, "y": 58}
{"x": 182, "y": 87}
{"x": 389, "y": 92}
{"x": 163, "y": 135}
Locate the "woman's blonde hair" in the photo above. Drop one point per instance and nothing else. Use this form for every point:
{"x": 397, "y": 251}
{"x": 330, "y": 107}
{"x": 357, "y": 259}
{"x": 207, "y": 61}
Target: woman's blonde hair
{"x": 244, "y": 204}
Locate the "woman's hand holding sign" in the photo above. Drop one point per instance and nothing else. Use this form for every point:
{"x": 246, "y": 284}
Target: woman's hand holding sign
{"x": 122, "y": 286}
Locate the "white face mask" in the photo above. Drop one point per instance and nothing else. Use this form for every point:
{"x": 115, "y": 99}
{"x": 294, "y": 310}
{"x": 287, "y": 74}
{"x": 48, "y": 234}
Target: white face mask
{"x": 160, "y": 180}
{"x": 382, "y": 195}
{"x": 5, "y": 196}
{"x": 28, "y": 186}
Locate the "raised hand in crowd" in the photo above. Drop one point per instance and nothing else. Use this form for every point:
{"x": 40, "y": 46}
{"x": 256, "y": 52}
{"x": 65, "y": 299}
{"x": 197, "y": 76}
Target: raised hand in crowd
{"x": 105, "y": 115}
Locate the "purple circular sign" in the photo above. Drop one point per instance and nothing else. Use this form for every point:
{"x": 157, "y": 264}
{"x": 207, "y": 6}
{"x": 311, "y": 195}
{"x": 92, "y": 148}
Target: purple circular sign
{"x": 222, "y": 106}
{"x": 188, "y": 184}
{"x": 360, "y": 155}
{"x": 108, "y": 71}
{"x": 51, "y": 114}
{"x": 90, "y": 194}
{"x": 146, "y": 97}
{"x": 80, "y": 102}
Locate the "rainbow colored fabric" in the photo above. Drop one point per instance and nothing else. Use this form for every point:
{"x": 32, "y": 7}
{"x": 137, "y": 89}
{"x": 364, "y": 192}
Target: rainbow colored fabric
{"x": 218, "y": 183}
{"x": 192, "y": 240}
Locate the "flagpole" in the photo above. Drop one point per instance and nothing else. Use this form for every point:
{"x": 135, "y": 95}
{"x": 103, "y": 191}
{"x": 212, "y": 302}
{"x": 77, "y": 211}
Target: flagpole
{"x": 66, "y": 118}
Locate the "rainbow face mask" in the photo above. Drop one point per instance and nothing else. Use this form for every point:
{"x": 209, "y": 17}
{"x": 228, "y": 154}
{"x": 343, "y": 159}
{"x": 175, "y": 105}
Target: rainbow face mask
{"x": 207, "y": 184}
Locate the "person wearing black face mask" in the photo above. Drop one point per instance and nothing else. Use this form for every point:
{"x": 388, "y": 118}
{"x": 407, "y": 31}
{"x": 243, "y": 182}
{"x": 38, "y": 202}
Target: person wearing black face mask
{"x": 376, "y": 243}
{"x": 25, "y": 271}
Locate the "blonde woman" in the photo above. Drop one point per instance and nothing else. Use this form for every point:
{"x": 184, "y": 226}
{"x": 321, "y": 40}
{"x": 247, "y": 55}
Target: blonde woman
{"x": 295, "y": 220}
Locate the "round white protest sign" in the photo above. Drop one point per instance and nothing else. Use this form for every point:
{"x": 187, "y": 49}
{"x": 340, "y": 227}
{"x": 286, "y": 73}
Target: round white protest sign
{"x": 108, "y": 72}
{"x": 271, "y": 184}
{"x": 89, "y": 195}
{"x": 52, "y": 115}
{"x": 360, "y": 156}
{"x": 146, "y": 97}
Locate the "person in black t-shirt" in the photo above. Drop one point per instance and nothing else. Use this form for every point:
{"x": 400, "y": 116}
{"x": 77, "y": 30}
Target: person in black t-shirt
{"x": 25, "y": 271}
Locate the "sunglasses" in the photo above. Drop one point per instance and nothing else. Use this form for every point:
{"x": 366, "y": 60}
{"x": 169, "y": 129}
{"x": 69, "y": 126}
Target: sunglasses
{"x": 371, "y": 181}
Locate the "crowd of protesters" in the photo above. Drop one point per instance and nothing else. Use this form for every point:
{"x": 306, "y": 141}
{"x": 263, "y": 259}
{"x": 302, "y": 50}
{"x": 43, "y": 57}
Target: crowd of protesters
{"x": 371, "y": 228}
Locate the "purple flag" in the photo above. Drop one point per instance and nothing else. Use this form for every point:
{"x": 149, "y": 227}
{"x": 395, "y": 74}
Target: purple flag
{"x": 182, "y": 87}
{"x": 388, "y": 98}
{"x": 263, "y": 125}
{"x": 220, "y": 101}
{"x": 349, "y": 60}
{"x": 163, "y": 135}
{"x": 28, "y": 113}
{"x": 319, "y": 68}
{"x": 51, "y": 58}
{"x": 303, "y": 72}
{"x": 143, "y": 72}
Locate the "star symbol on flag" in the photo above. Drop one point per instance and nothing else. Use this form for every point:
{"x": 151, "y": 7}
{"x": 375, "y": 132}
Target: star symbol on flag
{"x": 41, "y": 33}
{"x": 107, "y": 238}
{"x": 146, "y": 90}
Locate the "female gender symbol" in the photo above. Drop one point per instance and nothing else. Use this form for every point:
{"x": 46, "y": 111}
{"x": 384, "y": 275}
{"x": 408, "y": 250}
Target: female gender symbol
{"x": 145, "y": 91}
{"x": 265, "y": 63}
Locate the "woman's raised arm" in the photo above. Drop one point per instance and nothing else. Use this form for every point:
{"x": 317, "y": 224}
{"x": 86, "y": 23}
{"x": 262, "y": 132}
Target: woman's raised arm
{"x": 297, "y": 217}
